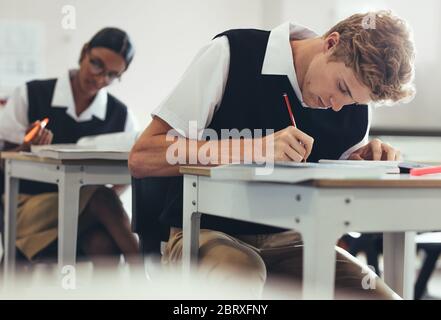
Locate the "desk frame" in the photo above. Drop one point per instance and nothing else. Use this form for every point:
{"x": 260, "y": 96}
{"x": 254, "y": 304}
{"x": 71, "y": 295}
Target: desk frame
{"x": 322, "y": 211}
{"x": 70, "y": 176}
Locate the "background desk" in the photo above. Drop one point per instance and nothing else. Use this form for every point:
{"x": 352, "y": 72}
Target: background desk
{"x": 70, "y": 176}
{"x": 322, "y": 210}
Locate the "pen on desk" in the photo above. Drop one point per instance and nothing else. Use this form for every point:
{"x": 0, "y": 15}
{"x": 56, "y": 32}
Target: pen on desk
{"x": 34, "y": 131}
{"x": 288, "y": 105}
{"x": 424, "y": 171}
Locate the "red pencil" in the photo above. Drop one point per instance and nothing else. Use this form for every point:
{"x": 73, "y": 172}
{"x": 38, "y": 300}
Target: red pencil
{"x": 293, "y": 121}
{"x": 288, "y": 105}
{"x": 426, "y": 170}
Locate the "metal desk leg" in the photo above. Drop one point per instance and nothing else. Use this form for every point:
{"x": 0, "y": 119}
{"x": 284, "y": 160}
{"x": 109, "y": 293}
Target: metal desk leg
{"x": 68, "y": 206}
{"x": 11, "y": 202}
{"x": 318, "y": 264}
{"x": 190, "y": 223}
{"x": 399, "y": 250}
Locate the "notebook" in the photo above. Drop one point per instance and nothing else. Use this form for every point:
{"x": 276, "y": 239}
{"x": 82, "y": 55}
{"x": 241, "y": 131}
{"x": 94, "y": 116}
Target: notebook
{"x": 74, "y": 152}
{"x": 390, "y": 166}
{"x": 292, "y": 172}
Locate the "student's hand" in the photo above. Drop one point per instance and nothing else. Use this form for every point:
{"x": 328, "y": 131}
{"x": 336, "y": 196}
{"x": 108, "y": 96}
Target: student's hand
{"x": 290, "y": 144}
{"x": 44, "y": 136}
{"x": 376, "y": 150}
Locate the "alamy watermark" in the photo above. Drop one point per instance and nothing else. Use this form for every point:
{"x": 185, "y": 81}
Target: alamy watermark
{"x": 369, "y": 21}
{"x": 69, "y": 17}
{"x": 69, "y": 279}
{"x": 369, "y": 280}
{"x": 231, "y": 147}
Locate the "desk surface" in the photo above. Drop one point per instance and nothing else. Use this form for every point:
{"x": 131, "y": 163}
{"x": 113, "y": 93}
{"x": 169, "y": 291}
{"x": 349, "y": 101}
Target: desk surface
{"x": 30, "y": 157}
{"x": 388, "y": 181}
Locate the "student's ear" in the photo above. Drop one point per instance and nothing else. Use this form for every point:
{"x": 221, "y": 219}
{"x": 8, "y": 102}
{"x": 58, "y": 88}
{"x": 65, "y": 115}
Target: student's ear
{"x": 331, "y": 41}
{"x": 83, "y": 52}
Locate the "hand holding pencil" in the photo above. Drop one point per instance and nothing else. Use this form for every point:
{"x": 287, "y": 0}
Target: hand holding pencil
{"x": 37, "y": 134}
{"x": 291, "y": 144}
{"x": 306, "y": 142}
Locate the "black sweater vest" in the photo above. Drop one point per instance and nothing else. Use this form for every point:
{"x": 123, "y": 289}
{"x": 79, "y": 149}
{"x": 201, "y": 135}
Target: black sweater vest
{"x": 64, "y": 128}
{"x": 255, "y": 101}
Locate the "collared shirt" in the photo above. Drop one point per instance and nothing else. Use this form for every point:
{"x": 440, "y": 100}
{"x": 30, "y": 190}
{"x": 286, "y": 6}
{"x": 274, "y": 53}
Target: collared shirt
{"x": 198, "y": 94}
{"x": 14, "y": 118}
{"x": 278, "y": 56}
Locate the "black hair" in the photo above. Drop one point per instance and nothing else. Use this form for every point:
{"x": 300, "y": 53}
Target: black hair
{"x": 114, "y": 39}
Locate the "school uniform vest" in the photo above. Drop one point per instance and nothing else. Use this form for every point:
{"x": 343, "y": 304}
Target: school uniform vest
{"x": 255, "y": 101}
{"x": 64, "y": 128}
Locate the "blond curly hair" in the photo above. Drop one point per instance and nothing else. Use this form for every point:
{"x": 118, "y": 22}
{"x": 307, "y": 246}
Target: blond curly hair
{"x": 378, "y": 47}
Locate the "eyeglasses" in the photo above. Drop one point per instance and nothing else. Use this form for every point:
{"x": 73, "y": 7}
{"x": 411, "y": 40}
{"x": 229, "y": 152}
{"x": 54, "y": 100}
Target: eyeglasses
{"x": 98, "y": 68}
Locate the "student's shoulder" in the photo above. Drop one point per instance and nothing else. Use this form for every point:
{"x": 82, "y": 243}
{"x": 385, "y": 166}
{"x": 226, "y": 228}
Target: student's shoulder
{"x": 41, "y": 84}
{"x": 243, "y": 31}
{"x": 246, "y": 38}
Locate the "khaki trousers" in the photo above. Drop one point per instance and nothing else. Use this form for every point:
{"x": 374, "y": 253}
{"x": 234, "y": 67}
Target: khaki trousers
{"x": 37, "y": 220}
{"x": 272, "y": 262}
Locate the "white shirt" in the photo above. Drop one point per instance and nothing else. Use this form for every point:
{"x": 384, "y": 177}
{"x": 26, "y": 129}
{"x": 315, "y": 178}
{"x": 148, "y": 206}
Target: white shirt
{"x": 14, "y": 118}
{"x": 198, "y": 94}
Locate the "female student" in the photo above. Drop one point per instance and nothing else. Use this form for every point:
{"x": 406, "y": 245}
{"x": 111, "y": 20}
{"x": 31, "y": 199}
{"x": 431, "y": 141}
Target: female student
{"x": 77, "y": 105}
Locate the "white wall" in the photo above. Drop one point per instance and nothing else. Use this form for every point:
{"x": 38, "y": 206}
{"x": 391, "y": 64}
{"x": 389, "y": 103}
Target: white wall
{"x": 166, "y": 33}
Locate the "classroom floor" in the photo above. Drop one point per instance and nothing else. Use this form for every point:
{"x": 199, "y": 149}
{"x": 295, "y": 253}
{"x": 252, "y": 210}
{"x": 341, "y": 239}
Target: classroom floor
{"x": 137, "y": 282}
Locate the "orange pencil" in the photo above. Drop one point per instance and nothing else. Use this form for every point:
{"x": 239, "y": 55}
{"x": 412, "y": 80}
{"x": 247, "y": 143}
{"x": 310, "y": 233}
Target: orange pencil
{"x": 34, "y": 131}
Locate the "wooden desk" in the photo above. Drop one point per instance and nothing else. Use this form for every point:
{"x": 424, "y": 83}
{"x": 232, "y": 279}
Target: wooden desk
{"x": 322, "y": 211}
{"x": 70, "y": 176}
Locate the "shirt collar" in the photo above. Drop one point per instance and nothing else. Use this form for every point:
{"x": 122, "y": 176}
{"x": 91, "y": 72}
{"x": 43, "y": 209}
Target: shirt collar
{"x": 63, "y": 98}
{"x": 278, "y": 56}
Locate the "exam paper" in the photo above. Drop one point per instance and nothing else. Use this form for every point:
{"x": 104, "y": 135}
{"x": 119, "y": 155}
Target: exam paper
{"x": 390, "y": 166}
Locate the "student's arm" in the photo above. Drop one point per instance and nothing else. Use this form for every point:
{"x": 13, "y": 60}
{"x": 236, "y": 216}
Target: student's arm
{"x": 14, "y": 120}
{"x": 44, "y": 136}
{"x": 195, "y": 99}
{"x": 148, "y": 156}
{"x": 14, "y": 123}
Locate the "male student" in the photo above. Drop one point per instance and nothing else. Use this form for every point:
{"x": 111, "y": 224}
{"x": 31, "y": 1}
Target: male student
{"x": 77, "y": 104}
{"x": 238, "y": 81}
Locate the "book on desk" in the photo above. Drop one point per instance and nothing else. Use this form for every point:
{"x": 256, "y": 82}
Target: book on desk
{"x": 293, "y": 172}
{"x": 111, "y": 146}
{"x": 74, "y": 151}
